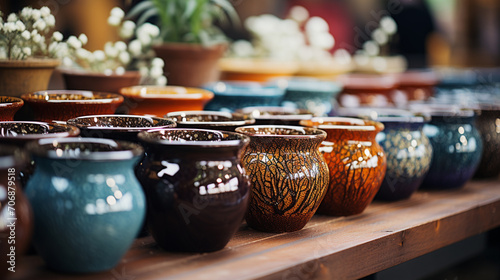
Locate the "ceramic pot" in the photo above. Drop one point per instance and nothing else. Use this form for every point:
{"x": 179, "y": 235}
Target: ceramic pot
{"x": 229, "y": 96}
{"x": 210, "y": 120}
{"x": 16, "y": 218}
{"x": 457, "y": 147}
{"x": 357, "y": 163}
{"x": 288, "y": 174}
{"x": 269, "y": 115}
{"x": 190, "y": 65}
{"x": 417, "y": 84}
{"x": 118, "y": 127}
{"x": 196, "y": 189}
{"x": 160, "y": 100}
{"x": 369, "y": 90}
{"x": 9, "y": 105}
{"x": 100, "y": 82}
{"x": 18, "y": 77}
{"x": 62, "y": 105}
{"x": 96, "y": 203}
{"x": 256, "y": 70}
{"x": 488, "y": 125}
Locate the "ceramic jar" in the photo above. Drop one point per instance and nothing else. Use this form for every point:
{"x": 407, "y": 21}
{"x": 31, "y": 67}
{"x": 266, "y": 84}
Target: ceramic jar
{"x": 288, "y": 174}
{"x": 87, "y": 202}
{"x": 357, "y": 163}
{"x": 196, "y": 188}
{"x": 16, "y": 218}
{"x": 488, "y": 124}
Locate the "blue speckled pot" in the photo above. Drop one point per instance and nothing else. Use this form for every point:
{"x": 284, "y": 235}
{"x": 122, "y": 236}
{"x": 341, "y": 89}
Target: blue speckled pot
{"x": 314, "y": 95}
{"x": 87, "y": 202}
{"x": 457, "y": 149}
{"x": 229, "y": 96}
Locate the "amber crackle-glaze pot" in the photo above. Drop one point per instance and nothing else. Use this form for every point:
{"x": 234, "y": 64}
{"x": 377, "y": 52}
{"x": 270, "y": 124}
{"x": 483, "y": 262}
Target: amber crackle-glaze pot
{"x": 357, "y": 163}
{"x": 288, "y": 174}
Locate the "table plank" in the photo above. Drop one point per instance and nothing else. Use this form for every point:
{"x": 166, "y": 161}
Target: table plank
{"x": 386, "y": 234}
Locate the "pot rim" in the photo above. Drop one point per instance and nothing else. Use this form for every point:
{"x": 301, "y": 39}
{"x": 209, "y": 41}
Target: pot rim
{"x": 384, "y": 115}
{"x": 30, "y": 63}
{"x": 356, "y": 124}
{"x": 240, "y": 122}
{"x": 103, "y": 97}
{"x": 47, "y": 148}
{"x": 15, "y": 101}
{"x": 71, "y": 131}
{"x": 11, "y": 156}
{"x": 167, "y": 92}
{"x": 442, "y": 110}
{"x": 295, "y": 113}
{"x": 83, "y": 73}
{"x": 74, "y": 122}
{"x": 242, "y": 139}
{"x": 309, "y": 132}
{"x": 244, "y": 88}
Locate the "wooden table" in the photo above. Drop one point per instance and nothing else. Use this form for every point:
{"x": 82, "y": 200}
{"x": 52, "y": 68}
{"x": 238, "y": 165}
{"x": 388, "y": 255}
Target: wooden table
{"x": 386, "y": 234}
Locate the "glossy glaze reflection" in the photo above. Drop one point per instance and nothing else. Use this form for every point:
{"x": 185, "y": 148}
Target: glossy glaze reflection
{"x": 215, "y": 120}
{"x": 196, "y": 188}
{"x": 288, "y": 174}
{"x": 9, "y": 105}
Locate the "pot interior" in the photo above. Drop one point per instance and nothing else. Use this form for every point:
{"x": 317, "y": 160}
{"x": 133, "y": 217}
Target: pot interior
{"x": 17, "y": 129}
{"x": 114, "y": 121}
{"x": 271, "y": 130}
{"x": 191, "y": 136}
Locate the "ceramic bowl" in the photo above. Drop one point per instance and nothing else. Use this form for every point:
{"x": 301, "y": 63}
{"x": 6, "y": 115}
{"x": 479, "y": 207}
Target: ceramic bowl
{"x": 61, "y": 105}
{"x": 9, "y": 105}
{"x": 21, "y": 132}
{"x": 100, "y": 82}
{"x": 160, "y": 100}
{"x": 229, "y": 96}
{"x": 210, "y": 120}
{"x": 314, "y": 95}
{"x": 276, "y": 115}
{"x": 118, "y": 127}
{"x": 368, "y": 90}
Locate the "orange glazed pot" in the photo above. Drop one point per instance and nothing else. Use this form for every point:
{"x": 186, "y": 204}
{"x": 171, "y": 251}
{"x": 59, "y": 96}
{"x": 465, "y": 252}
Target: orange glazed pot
{"x": 357, "y": 163}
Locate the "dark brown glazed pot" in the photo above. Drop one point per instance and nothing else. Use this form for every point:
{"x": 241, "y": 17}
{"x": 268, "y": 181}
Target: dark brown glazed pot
{"x": 357, "y": 163}
{"x": 210, "y": 120}
{"x": 264, "y": 115}
{"x": 62, "y": 105}
{"x": 9, "y": 105}
{"x": 488, "y": 125}
{"x": 196, "y": 189}
{"x": 16, "y": 217}
{"x": 118, "y": 127}
{"x": 100, "y": 82}
{"x": 289, "y": 176}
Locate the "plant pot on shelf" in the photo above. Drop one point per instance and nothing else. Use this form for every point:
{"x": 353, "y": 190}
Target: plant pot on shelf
{"x": 23, "y": 76}
{"x": 81, "y": 80}
{"x": 190, "y": 65}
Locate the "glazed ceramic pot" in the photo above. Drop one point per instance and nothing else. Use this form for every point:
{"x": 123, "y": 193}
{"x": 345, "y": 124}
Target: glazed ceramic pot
{"x": 457, "y": 147}
{"x": 417, "y": 84}
{"x": 160, "y": 100}
{"x": 100, "y": 82}
{"x": 357, "y": 163}
{"x": 288, "y": 174}
{"x": 87, "y": 202}
{"x": 62, "y": 105}
{"x": 316, "y": 96}
{"x": 210, "y": 120}
{"x": 118, "y": 127}
{"x": 369, "y": 90}
{"x": 196, "y": 188}
{"x": 229, "y": 96}
{"x": 16, "y": 218}
{"x": 488, "y": 124}
{"x": 9, "y": 106}
{"x": 268, "y": 115}
{"x": 18, "y": 77}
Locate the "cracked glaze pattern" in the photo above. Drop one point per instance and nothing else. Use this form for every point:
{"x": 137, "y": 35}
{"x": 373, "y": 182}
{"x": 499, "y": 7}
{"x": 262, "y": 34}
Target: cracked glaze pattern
{"x": 357, "y": 164}
{"x": 288, "y": 174}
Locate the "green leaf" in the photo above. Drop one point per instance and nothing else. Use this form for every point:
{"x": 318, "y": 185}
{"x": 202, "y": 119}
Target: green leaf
{"x": 141, "y": 8}
{"x": 190, "y": 8}
{"x": 146, "y": 15}
{"x": 229, "y": 9}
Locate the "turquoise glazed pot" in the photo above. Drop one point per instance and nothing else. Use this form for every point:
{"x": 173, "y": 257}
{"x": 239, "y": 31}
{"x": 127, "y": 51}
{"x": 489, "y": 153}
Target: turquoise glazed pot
{"x": 229, "y": 96}
{"x": 87, "y": 202}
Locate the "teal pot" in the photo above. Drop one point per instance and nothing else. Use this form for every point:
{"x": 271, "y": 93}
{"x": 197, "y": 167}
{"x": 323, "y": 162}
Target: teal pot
{"x": 87, "y": 202}
{"x": 196, "y": 187}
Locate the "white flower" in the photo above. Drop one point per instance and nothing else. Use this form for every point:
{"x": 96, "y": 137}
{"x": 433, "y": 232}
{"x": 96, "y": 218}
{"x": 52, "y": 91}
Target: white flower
{"x": 135, "y": 47}
{"x": 144, "y": 71}
{"x": 12, "y": 18}
{"x": 120, "y": 70}
{"x": 342, "y": 56}
{"x": 82, "y": 53}
{"x": 156, "y": 72}
{"x": 26, "y": 12}
{"x": 40, "y": 24}
{"x": 124, "y": 57}
{"x": 34, "y": 32}
{"x": 45, "y": 11}
{"x": 37, "y": 38}
{"x": 36, "y": 14}
{"x": 20, "y": 26}
{"x": 57, "y": 36}
{"x": 144, "y": 38}
{"x": 110, "y": 50}
{"x": 108, "y": 72}
{"x": 50, "y": 20}
{"x": 10, "y": 27}
{"x": 99, "y": 55}
{"x": 322, "y": 40}
{"x": 83, "y": 38}
{"x": 26, "y": 35}
{"x": 67, "y": 61}
{"x": 371, "y": 48}
{"x": 157, "y": 62}
{"x": 27, "y": 51}
{"x": 299, "y": 13}
{"x": 121, "y": 46}
{"x": 388, "y": 25}
{"x": 53, "y": 47}
{"x": 74, "y": 42}
{"x": 117, "y": 12}
{"x": 161, "y": 81}
{"x": 127, "y": 29}
{"x": 149, "y": 29}
{"x": 380, "y": 36}
{"x": 316, "y": 25}
{"x": 114, "y": 21}
{"x": 242, "y": 48}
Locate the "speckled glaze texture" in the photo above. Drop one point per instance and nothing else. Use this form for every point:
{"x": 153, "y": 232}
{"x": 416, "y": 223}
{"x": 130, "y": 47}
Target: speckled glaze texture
{"x": 488, "y": 124}
{"x": 197, "y": 191}
{"x": 288, "y": 174}
{"x": 457, "y": 148}
{"x": 88, "y": 205}
{"x": 9, "y": 106}
{"x": 357, "y": 164}
{"x": 409, "y": 155}
{"x": 214, "y": 120}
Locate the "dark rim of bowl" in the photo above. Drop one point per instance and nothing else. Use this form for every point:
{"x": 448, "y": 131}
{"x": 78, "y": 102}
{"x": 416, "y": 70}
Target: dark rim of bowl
{"x": 47, "y": 148}
{"x": 288, "y": 113}
{"x": 70, "y": 130}
{"x": 11, "y": 156}
{"x": 308, "y": 132}
{"x": 443, "y": 110}
{"x": 102, "y": 97}
{"x": 385, "y": 115}
{"x": 240, "y": 121}
{"x": 74, "y": 122}
{"x": 150, "y": 136}
{"x": 356, "y": 124}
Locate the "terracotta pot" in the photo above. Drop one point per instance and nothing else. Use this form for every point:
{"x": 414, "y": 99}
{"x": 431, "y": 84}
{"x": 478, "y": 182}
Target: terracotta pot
{"x": 190, "y": 65}
{"x": 357, "y": 163}
{"x": 100, "y": 82}
{"x": 9, "y": 105}
{"x": 288, "y": 174}
{"x": 18, "y": 77}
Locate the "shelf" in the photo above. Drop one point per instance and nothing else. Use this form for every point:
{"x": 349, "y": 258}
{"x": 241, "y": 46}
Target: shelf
{"x": 386, "y": 234}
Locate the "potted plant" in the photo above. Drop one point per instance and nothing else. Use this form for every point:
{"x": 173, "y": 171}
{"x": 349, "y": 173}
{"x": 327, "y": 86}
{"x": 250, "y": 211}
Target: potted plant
{"x": 191, "y": 42}
{"x": 28, "y": 51}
